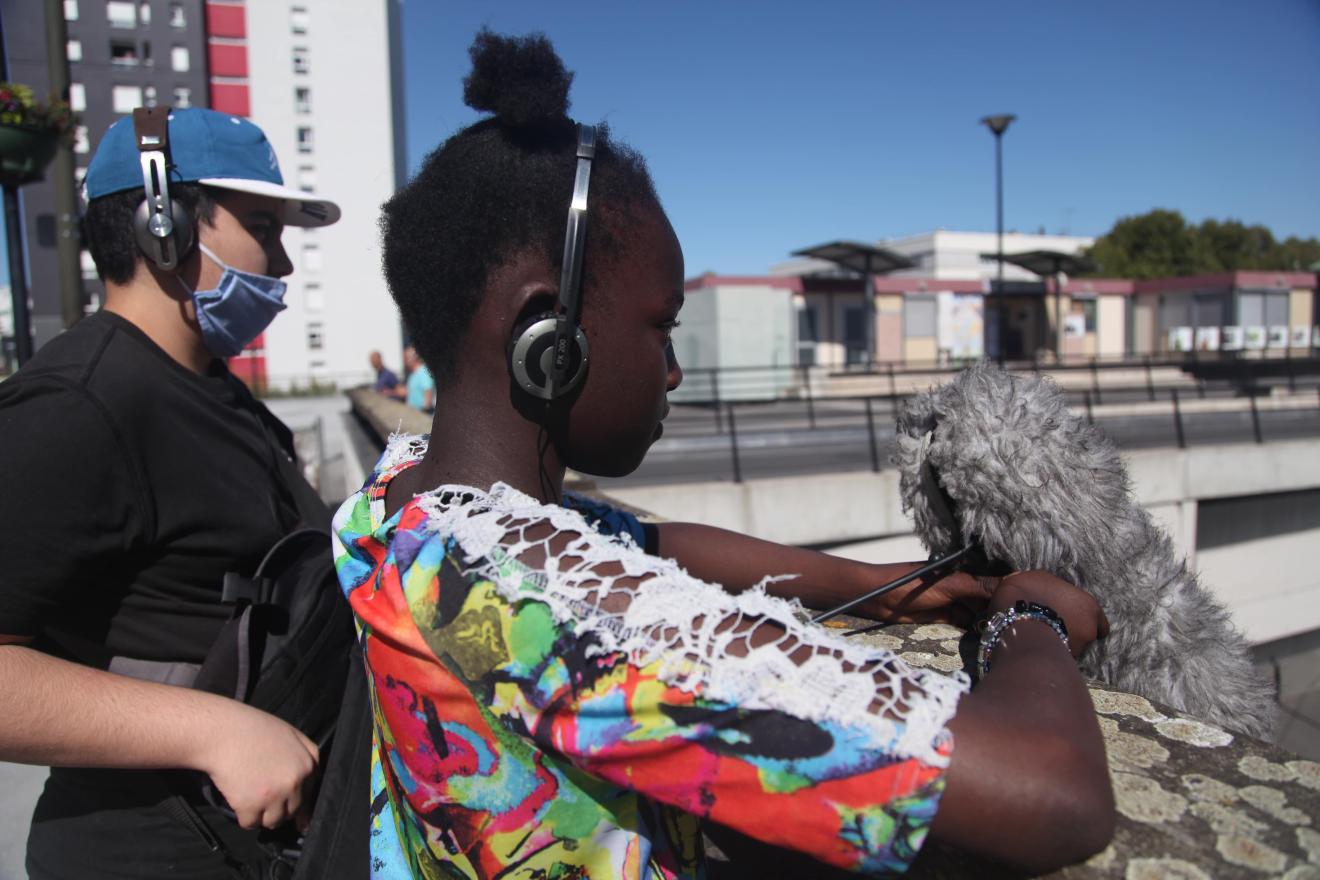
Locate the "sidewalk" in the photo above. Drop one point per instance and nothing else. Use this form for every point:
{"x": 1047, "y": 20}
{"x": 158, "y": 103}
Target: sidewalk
{"x": 21, "y": 785}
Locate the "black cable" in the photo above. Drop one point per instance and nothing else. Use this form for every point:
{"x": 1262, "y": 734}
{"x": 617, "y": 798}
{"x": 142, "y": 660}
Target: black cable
{"x": 894, "y": 584}
{"x": 542, "y": 447}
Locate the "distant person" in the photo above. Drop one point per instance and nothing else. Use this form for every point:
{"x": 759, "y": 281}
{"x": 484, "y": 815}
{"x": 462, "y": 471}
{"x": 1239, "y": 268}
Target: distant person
{"x": 138, "y": 472}
{"x": 561, "y": 690}
{"x": 386, "y": 379}
{"x": 420, "y": 389}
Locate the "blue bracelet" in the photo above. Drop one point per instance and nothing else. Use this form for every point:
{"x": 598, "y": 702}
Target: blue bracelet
{"x": 993, "y": 627}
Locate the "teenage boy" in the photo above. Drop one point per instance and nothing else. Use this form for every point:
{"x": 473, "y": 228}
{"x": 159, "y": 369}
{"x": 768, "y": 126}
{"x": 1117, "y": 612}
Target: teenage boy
{"x": 138, "y": 472}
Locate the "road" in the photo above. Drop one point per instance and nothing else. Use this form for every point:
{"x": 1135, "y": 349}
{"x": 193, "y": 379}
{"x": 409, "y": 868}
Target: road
{"x": 775, "y": 439}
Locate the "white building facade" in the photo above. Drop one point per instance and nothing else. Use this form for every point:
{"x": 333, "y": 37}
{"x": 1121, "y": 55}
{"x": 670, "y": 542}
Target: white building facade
{"x": 325, "y": 85}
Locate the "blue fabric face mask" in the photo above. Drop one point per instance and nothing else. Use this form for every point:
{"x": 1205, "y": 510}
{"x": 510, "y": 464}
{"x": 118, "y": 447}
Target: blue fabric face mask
{"x": 237, "y": 309}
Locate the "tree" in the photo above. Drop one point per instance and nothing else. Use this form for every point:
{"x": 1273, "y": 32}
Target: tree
{"x": 1160, "y": 243}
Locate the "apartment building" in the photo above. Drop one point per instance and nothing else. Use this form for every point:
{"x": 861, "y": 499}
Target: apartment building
{"x": 323, "y": 78}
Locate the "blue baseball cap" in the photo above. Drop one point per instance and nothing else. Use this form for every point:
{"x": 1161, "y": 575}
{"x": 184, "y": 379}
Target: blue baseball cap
{"x": 210, "y": 148}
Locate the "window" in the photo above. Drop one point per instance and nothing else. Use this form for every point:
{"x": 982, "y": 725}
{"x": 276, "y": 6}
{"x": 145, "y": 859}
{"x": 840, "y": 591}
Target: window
{"x": 70, "y": 10}
{"x": 149, "y": 96}
{"x": 123, "y": 53}
{"x": 80, "y": 143}
{"x": 298, "y": 19}
{"x": 121, "y": 13}
{"x": 1088, "y": 311}
{"x": 301, "y": 63}
{"x": 182, "y": 97}
{"x": 919, "y": 316}
{"x": 144, "y": 12}
{"x": 74, "y": 50}
{"x": 179, "y": 59}
{"x": 307, "y": 178}
{"x": 302, "y": 99}
{"x": 315, "y": 335}
{"x": 1262, "y": 309}
{"x": 311, "y": 258}
{"x": 125, "y": 99}
{"x": 314, "y": 297}
{"x": 304, "y": 139}
{"x": 177, "y": 18}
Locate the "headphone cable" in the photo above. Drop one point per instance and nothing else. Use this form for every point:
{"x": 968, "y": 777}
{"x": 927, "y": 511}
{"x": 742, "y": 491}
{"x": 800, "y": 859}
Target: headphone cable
{"x": 542, "y": 447}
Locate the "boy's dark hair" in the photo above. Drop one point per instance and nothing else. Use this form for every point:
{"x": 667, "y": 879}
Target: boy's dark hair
{"x": 498, "y": 187}
{"x": 107, "y": 226}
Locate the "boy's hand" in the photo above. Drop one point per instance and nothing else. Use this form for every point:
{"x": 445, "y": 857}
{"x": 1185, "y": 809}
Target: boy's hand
{"x": 263, "y": 767}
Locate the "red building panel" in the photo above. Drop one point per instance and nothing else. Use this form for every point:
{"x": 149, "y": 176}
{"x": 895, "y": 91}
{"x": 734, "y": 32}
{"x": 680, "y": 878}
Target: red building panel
{"x": 226, "y": 20}
{"x": 227, "y": 59}
{"x": 231, "y": 98}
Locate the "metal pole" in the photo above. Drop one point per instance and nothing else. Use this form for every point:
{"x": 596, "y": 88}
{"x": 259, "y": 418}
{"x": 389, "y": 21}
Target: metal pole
{"x": 733, "y": 445}
{"x": 998, "y": 125}
{"x": 715, "y": 393}
{"x": 1255, "y": 413}
{"x": 999, "y": 209}
{"x": 61, "y": 174}
{"x": 17, "y": 277}
{"x": 14, "y": 242}
{"x": 1058, "y": 315}
{"x": 806, "y": 387}
{"x": 1178, "y": 422}
{"x": 870, "y": 432}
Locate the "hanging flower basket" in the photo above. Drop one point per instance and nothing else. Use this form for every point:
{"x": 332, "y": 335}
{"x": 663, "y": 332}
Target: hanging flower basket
{"x": 30, "y": 133}
{"x": 24, "y": 153}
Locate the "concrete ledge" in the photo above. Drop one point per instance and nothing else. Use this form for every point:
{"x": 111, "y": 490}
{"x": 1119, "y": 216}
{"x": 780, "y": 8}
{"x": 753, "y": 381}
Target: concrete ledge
{"x": 385, "y": 415}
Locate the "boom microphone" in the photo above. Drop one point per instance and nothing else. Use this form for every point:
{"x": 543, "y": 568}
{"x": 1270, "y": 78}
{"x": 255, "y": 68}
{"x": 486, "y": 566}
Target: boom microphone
{"x": 999, "y": 462}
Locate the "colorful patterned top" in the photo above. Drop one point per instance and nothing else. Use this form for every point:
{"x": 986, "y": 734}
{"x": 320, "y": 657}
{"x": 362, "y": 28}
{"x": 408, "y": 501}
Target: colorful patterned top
{"x": 552, "y": 702}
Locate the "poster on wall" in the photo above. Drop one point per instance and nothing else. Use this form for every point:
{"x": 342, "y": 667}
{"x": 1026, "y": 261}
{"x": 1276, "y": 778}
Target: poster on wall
{"x": 961, "y": 328}
{"x": 1207, "y": 339}
{"x": 1231, "y": 339}
{"x": 1074, "y": 325}
{"x": 1253, "y": 338}
{"x": 1180, "y": 339}
{"x": 1277, "y": 337}
{"x": 1301, "y": 337}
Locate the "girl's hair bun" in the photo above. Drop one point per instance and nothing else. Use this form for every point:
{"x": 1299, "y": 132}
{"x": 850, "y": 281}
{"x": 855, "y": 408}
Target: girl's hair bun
{"x": 519, "y": 79}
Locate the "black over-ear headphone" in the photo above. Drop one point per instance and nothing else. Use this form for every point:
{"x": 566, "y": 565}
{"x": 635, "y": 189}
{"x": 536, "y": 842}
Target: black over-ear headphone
{"x": 164, "y": 231}
{"x": 548, "y": 353}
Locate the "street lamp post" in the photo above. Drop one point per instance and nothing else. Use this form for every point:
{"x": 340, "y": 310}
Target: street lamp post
{"x": 998, "y": 125}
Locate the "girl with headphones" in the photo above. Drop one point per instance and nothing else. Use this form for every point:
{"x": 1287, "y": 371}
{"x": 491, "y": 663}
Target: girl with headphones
{"x": 560, "y": 690}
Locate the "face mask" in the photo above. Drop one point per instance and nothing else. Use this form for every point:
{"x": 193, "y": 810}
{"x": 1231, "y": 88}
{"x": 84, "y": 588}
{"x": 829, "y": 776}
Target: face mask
{"x": 237, "y": 309}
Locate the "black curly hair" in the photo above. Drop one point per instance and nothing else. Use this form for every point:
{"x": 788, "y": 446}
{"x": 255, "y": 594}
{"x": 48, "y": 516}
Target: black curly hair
{"x": 497, "y": 188}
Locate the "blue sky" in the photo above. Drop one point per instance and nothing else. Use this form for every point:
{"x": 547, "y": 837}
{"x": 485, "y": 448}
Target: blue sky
{"x": 771, "y": 126}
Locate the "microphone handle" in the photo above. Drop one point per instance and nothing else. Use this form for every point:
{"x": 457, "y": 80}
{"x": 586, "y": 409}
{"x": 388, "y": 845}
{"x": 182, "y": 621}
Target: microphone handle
{"x": 893, "y": 585}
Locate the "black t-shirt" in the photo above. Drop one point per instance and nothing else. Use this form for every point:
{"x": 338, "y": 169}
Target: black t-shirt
{"x": 130, "y": 486}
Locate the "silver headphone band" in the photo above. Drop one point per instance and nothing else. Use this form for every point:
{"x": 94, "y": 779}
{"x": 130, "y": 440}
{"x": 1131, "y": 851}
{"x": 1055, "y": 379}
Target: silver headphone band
{"x": 575, "y": 239}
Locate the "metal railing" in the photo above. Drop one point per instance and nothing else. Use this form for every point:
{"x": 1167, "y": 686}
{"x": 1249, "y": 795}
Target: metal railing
{"x": 716, "y": 385}
{"x": 1152, "y": 405}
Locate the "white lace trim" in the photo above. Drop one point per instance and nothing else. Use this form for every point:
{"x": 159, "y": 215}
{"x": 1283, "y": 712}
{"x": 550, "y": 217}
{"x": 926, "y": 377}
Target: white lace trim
{"x": 697, "y": 632}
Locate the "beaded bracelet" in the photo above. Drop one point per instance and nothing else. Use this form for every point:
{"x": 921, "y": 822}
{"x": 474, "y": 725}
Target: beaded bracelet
{"x": 992, "y": 628}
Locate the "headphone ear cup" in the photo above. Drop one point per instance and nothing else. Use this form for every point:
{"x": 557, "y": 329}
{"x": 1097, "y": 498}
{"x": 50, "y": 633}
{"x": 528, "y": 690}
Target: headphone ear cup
{"x": 531, "y": 356}
{"x": 167, "y": 252}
